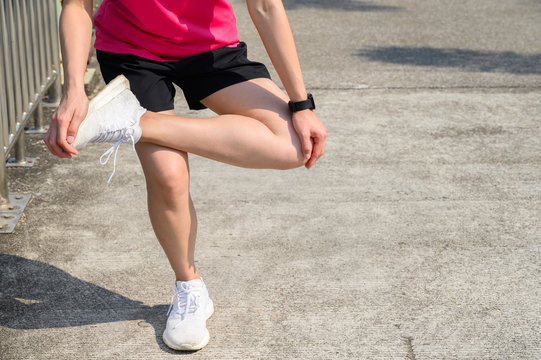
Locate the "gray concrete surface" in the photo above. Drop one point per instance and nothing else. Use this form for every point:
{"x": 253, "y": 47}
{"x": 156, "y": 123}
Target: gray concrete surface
{"x": 417, "y": 236}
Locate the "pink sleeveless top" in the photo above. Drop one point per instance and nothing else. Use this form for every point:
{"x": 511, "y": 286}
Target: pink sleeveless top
{"x": 165, "y": 30}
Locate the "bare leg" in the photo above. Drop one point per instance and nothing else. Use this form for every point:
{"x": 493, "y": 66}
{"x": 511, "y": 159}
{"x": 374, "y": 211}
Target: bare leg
{"x": 259, "y": 135}
{"x": 253, "y": 128}
{"x": 170, "y": 207}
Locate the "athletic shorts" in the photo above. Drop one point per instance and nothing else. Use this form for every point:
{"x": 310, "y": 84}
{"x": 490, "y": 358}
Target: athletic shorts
{"x": 198, "y": 76}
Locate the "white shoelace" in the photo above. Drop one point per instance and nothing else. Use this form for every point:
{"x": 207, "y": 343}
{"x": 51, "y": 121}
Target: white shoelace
{"x": 112, "y": 135}
{"x": 188, "y": 302}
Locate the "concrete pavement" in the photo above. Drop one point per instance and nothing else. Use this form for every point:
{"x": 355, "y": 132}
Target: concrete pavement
{"x": 416, "y": 236}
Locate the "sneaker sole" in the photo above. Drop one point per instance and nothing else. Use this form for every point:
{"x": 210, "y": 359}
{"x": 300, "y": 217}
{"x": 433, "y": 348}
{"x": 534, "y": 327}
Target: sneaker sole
{"x": 190, "y": 347}
{"x": 109, "y": 92}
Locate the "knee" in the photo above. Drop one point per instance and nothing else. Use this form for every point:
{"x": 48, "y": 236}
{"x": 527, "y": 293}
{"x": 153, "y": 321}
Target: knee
{"x": 171, "y": 186}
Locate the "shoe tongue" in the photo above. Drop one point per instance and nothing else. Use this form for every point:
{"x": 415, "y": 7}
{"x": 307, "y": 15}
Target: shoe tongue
{"x": 192, "y": 284}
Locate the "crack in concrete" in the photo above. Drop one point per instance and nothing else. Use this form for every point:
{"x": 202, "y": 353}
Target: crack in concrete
{"x": 408, "y": 340}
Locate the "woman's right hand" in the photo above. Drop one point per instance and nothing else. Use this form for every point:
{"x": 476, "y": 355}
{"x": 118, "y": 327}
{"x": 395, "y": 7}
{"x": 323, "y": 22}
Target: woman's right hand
{"x": 65, "y": 123}
{"x": 75, "y": 37}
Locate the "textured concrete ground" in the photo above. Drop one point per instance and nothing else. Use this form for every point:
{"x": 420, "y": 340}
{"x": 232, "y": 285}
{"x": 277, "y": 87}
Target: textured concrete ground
{"x": 417, "y": 236}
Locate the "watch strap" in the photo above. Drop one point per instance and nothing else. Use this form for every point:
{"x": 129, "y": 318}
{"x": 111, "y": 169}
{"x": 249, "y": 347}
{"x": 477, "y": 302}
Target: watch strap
{"x": 309, "y": 103}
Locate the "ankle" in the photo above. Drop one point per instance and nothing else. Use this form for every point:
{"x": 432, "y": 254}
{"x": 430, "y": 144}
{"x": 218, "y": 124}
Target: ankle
{"x": 187, "y": 277}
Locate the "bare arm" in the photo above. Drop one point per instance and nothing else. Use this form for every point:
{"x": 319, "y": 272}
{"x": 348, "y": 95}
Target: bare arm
{"x": 270, "y": 19}
{"x": 75, "y": 39}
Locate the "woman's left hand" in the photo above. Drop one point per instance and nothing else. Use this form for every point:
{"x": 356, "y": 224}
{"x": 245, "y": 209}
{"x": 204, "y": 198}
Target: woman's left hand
{"x": 312, "y": 134}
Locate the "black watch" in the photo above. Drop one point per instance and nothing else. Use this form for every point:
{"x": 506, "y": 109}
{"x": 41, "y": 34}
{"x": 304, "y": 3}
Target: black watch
{"x": 309, "y": 103}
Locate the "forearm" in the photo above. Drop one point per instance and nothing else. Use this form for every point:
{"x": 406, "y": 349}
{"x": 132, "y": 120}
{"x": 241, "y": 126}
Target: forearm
{"x": 270, "y": 19}
{"x": 75, "y": 40}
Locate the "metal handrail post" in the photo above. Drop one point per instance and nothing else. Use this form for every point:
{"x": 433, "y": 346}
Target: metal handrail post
{"x": 4, "y": 199}
{"x": 29, "y": 53}
{"x": 4, "y": 193}
{"x": 44, "y": 60}
{"x": 19, "y": 82}
{"x": 8, "y": 75}
{"x": 22, "y": 55}
{"x": 27, "y": 49}
{"x": 35, "y": 50}
{"x": 55, "y": 91}
{"x": 38, "y": 119}
{"x": 29, "y": 58}
{"x": 41, "y": 45}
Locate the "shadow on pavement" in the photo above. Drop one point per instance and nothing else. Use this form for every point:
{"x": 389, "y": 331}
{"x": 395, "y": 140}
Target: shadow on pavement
{"x": 468, "y": 60}
{"x": 35, "y": 295}
{"x": 352, "y": 5}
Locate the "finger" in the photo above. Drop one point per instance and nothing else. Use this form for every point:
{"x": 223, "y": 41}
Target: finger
{"x": 51, "y": 139}
{"x": 317, "y": 152}
{"x": 48, "y": 138}
{"x": 46, "y": 141}
{"x": 74, "y": 127}
{"x": 57, "y": 151}
{"x": 68, "y": 148}
{"x": 311, "y": 162}
{"x": 54, "y": 148}
{"x": 61, "y": 139}
{"x": 306, "y": 145}
{"x": 319, "y": 147}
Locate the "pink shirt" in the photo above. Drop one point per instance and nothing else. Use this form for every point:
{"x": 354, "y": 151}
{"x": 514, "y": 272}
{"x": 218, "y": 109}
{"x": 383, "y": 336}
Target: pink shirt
{"x": 165, "y": 30}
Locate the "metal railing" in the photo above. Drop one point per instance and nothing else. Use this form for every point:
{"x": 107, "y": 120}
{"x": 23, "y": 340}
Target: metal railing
{"x": 29, "y": 74}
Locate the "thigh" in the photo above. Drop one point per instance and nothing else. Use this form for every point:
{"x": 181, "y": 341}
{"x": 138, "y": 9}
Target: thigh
{"x": 204, "y": 74}
{"x": 259, "y": 99}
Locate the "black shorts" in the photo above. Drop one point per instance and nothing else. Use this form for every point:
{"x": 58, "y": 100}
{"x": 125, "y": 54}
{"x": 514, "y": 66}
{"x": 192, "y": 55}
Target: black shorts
{"x": 198, "y": 76}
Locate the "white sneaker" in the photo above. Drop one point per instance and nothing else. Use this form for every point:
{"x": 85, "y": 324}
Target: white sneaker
{"x": 113, "y": 116}
{"x": 190, "y": 308}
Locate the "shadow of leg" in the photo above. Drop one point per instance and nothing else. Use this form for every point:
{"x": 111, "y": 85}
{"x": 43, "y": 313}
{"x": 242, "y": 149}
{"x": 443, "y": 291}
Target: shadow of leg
{"x": 35, "y": 295}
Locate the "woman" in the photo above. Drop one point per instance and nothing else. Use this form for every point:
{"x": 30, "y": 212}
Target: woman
{"x": 194, "y": 44}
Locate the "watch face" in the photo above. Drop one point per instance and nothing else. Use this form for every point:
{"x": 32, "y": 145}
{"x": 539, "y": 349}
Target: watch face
{"x": 311, "y": 98}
